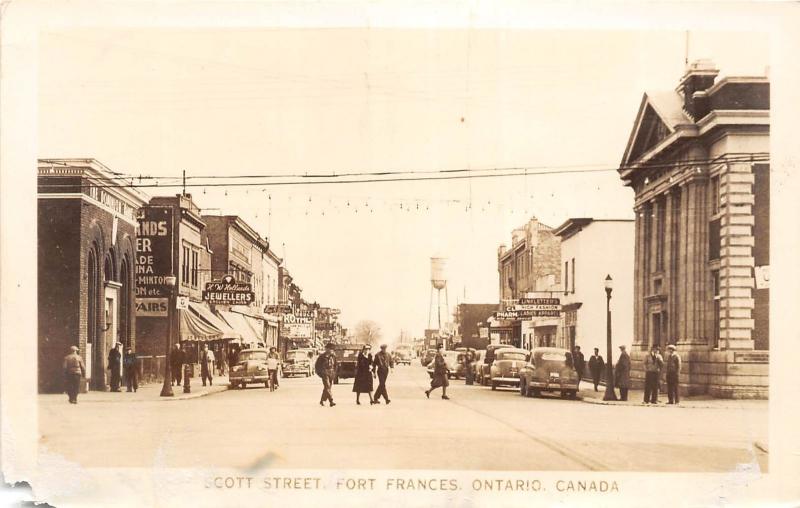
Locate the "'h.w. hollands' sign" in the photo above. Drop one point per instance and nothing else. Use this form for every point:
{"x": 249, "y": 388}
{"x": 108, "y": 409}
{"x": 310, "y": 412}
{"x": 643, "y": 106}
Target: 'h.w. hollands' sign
{"x": 228, "y": 291}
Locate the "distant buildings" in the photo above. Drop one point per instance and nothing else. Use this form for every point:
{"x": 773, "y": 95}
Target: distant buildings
{"x": 591, "y": 249}
{"x": 105, "y": 253}
{"x": 469, "y": 317}
{"x": 697, "y": 160}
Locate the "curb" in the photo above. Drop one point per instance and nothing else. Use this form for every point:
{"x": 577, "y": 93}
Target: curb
{"x": 224, "y": 388}
{"x": 591, "y": 400}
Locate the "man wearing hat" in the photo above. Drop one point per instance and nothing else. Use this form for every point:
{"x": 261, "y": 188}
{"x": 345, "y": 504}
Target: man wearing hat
{"x": 673, "y": 371}
{"x": 74, "y": 370}
{"x": 131, "y": 371}
{"x": 439, "y": 374}
{"x": 115, "y": 366}
{"x": 622, "y": 373}
{"x": 382, "y": 363}
{"x": 653, "y": 363}
{"x": 325, "y": 367}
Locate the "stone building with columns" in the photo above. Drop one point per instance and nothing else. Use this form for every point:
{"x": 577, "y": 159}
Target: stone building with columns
{"x": 698, "y": 162}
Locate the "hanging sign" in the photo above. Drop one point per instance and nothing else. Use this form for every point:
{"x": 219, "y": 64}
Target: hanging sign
{"x": 153, "y": 251}
{"x": 228, "y": 291}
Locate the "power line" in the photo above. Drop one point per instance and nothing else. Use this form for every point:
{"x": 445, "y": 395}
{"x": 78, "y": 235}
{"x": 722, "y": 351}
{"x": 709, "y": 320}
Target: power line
{"x": 393, "y": 177}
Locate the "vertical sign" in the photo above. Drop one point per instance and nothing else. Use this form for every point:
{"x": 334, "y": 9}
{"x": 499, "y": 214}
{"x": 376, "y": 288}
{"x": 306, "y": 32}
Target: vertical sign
{"x": 153, "y": 260}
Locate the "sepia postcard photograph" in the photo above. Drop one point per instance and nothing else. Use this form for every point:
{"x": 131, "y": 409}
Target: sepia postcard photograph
{"x": 363, "y": 253}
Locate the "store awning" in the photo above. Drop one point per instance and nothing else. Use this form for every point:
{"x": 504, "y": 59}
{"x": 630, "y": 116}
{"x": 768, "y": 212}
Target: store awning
{"x": 193, "y": 328}
{"x": 228, "y": 333}
{"x": 239, "y": 324}
{"x": 257, "y": 325}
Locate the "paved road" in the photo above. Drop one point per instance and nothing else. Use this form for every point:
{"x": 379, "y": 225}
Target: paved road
{"x": 477, "y": 429}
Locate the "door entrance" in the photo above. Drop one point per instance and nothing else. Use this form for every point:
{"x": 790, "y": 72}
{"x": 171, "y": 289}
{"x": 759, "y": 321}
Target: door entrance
{"x": 111, "y": 332}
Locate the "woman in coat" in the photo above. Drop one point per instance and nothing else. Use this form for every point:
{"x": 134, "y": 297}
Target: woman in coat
{"x": 363, "y": 381}
{"x": 622, "y": 373}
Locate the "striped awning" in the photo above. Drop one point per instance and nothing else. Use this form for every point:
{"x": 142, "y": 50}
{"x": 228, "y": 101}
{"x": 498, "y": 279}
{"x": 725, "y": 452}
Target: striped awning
{"x": 195, "y": 329}
{"x": 228, "y": 332}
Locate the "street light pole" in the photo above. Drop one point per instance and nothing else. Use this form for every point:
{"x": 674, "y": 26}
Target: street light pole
{"x": 610, "y": 393}
{"x": 166, "y": 389}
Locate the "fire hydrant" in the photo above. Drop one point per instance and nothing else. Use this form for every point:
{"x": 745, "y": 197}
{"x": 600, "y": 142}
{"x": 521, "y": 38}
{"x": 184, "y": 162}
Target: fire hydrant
{"x": 187, "y": 371}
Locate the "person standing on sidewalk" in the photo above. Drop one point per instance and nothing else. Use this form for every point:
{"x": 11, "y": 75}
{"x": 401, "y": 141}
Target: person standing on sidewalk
{"x": 114, "y": 365}
{"x": 383, "y": 362}
{"x": 176, "y": 360}
{"x": 596, "y": 365}
{"x": 652, "y": 371}
{"x": 74, "y": 371}
{"x": 673, "y": 372}
{"x": 207, "y": 365}
{"x": 580, "y": 364}
{"x": 273, "y": 354}
{"x": 439, "y": 374}
{"x": 469, "y": 357}
{"x": 325, "y": 367}
{"x": 622, "y": 373}
{"x": 131, "y": 370}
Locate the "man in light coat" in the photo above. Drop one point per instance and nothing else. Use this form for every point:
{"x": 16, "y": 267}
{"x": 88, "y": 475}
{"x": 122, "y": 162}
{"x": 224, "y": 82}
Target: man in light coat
{"x": 673, "y": 362}
{"x": 622, "y": 373}
{"x": 74, "y": 371}
{"x": 207, "y": 365}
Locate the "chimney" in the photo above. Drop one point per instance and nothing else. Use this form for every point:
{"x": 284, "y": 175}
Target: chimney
{"x": 699, "y": 77}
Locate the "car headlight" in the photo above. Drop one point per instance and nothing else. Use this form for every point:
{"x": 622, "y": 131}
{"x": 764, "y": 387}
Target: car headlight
{"x": 262, "y": 367}
{"x": 236, "y": 368}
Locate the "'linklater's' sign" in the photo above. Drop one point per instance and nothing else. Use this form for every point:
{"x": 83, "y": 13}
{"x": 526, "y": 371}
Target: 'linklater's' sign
{"x": 228, "y": 292}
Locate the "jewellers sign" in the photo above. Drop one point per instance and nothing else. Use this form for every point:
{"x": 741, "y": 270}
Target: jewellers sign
{"x": 228, "y": 291}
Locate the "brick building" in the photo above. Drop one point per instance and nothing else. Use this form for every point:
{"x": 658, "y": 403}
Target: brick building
{"x": 534, "y": 256}
{"x": 86, "y": 229}
{"x": 698, "y": 162}
{"x": 468, "y": 318}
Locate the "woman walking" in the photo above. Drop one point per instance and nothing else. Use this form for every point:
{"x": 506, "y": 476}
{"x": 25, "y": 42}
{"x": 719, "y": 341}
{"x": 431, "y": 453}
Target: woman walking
{"x": 363, "y": 381}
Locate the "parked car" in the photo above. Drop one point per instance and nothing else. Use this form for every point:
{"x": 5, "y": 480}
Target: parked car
{"x": 548, "y": 371}
{"x": 347, "y": 355}
{"x": 506, "y": 366}
{"x": 454, "y": 368}
{"x": 250, "y": 368}
{"x": 427, "y": 357}
{"x": 488, "y": 358}
{"x": 402, "y": 355}
{"x": 298, "y": 362}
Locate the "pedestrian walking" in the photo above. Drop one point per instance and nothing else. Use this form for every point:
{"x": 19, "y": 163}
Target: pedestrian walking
{"x": 382, "y": 364}
{"x": 439, "y": 374}
{"x": 652, "y": 371}
{"x": 363, "y": 380}
{"x": 207, "y": 365}
{"x": 469, "y": 357}
{"x": 622, "y": 373}
{"x": 325, "y": 367}
{"x": 596, "y": 365}
{"x": 580, "y": 364}
{"x": 223, "y": 360}
{"x": 177, "y": 358}
{"x": 74, "y": 371}
{"x": 131, "y": 370}
{"x": 273, "y": 362}
{"x": 673, "y": 362}
{"x": 115, "y": 365}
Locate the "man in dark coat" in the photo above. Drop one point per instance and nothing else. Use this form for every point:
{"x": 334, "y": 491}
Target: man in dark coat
{"x": 652, "y": 371}
{"x": 74, "y": 370}
{"x": 580, "y": 363}
{"x": 673, "y": 362}
{"x": 131, "y": 371}
{"x": 622, "y": 373}
{"x": 114, "y": 365}
{"x": 439, "y": 374}
{"x": 596, "y": 365}
{"x": 469, "y": 357}
{"x": 382, "y": 363}
{"x": 176, "y": 360}
{"x": 363, "y": 380}
{"x": 325, "y": 367}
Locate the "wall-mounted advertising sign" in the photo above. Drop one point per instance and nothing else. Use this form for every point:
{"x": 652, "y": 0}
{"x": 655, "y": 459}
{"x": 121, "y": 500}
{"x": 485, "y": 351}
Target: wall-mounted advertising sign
{"x": 278, "y": 309}
{"x": 537, "y": 307}
{"x": 152, "y": 307}
{"x": 227, "y": 291}
{"x": 153, "y": 251}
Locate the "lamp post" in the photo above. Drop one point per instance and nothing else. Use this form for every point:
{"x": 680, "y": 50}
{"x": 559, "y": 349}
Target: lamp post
{"x": 610, "y": 393}
{"x": 166, "y": 389}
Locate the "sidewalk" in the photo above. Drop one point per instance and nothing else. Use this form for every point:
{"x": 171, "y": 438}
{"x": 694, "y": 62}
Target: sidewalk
{"x": 148, "y": 393}
{"x": 636, "y": 398}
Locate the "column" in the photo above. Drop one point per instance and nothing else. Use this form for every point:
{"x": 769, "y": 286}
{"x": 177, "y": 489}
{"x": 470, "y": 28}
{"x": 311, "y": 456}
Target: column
{"x": 736, "y": 257}
{"x": 667, "y": 280}
{"x": 638, "y": 290}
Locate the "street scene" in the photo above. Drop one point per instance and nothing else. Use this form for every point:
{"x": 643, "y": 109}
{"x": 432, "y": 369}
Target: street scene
{"x": 441, "y": 250}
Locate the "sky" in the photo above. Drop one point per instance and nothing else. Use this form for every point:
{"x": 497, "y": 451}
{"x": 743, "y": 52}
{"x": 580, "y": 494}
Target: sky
{"x": 311, "y": 101}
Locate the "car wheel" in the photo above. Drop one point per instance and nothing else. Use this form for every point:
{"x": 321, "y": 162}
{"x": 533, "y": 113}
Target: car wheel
{"x": 244, "y": 386}
{"x": 266, "y": 384}
{"x": 336, "y": 380}
{"x": 572, "y": 394}
{"x": 523, "y": 388}
{"x": 494, "y": 385}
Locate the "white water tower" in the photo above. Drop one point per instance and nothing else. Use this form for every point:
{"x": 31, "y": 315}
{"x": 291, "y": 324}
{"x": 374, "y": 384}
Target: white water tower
{"x": 438, "y": 283}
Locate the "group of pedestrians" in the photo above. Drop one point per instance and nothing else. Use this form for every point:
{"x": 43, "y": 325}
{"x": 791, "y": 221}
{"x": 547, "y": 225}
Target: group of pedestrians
{"x": 121, "y": 366}
{"x": 654, "y": 365}
{"x": 178, "y": 358}
{"x": 367, "y": 368}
